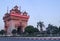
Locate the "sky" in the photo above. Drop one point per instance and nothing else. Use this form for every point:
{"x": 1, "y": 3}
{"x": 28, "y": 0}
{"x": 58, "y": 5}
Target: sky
{"x": 47, "y": 11}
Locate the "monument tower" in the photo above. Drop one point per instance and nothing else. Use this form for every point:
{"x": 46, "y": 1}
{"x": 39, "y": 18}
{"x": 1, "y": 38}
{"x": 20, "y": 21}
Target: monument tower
{"x": 15, "y": 19}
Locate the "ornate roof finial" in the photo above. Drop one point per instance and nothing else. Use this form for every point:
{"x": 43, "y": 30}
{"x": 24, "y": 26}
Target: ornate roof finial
{"x": 25, "y": 12}
{"x": 16, "y": 7}
{"x": 7, "y": 9}
{"x": 20, "y": 8}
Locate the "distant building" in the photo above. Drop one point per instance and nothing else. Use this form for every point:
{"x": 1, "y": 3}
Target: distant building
{"x": 15, "y": 19}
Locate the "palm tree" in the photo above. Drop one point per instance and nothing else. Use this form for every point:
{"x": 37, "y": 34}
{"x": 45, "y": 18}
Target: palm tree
{"x": 40, "y": 24}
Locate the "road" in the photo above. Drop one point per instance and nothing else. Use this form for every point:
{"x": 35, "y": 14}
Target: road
{"x": 29, "y": 38}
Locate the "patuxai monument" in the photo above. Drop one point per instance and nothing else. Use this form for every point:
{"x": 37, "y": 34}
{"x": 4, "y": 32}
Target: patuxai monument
{"x": 15, "y": 19}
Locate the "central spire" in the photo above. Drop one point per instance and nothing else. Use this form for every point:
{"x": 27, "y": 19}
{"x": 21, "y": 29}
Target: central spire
{"x": 16, "y": 7}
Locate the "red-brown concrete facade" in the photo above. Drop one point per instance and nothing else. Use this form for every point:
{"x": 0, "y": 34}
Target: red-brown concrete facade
{"x": 15, "y": 18}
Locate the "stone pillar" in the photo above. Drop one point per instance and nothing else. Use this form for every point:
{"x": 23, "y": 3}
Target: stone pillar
{"x": 11, "y": 27}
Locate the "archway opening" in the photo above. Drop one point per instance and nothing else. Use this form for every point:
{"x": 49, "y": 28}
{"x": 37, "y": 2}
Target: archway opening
{"x": 19, "y": 30}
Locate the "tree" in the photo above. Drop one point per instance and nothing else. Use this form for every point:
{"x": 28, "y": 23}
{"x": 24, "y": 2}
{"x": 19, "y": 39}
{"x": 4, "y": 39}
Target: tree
{"x": 2, "y": 32}
{"x": 30, "y": 29}
{"x": 14, "y": 31}
{"x": 40, "y": 24}
{"x": 36, "y": 30}
{"x": 59, "y": 30}
{"x": 52, "y": 29}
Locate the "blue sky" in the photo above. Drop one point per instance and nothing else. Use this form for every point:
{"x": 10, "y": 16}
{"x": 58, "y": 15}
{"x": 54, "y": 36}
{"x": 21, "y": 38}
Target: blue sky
{"x": 47, "y": 11}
